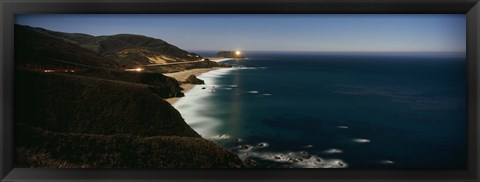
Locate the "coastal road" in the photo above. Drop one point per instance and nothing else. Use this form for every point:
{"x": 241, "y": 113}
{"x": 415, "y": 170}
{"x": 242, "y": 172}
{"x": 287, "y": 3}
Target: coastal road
{"x": 186, "y": 62}
{"x": 167, "y": 64}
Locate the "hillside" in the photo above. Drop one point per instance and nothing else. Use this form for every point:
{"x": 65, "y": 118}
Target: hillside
{"x": 36, "y": 50}
{"x": 101, "y": 115}
{"x": 164, "y": 86}
{"x": 127, "y": 49}
{"x": 90, "y": 122}
{"x": 187, "y": 66}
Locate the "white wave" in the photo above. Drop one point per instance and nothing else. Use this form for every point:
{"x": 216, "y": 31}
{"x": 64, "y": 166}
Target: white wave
{"x": 299, "y": 159}
{"x": 222, "y": 60}
{"x": 308, "y": 146}
{"x": 253, "y": 92}
{"x": 333, "y": 151}
{"x": 361, "y": 140}
{"x": 220, "y": 137}
{"x": 248, "y": 68}
{"x": 196, "y": 102}
{"x": 245, "y": 148}
{"x": 387, "y": 162}
{"x": 342, "y": 127}
{"x": 263, "y": 145}
{"x": 267, "y": 94}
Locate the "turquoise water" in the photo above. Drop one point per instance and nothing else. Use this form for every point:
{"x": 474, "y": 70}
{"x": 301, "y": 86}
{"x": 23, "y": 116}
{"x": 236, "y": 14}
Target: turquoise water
{"x": 336, "y": 110}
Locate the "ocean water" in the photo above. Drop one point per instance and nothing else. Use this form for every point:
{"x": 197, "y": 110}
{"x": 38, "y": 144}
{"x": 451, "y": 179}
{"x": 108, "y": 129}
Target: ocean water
{"x": 340, "y": 110}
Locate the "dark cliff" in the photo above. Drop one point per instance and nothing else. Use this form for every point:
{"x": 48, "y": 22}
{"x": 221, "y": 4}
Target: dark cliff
{"x": 100, "y": 115}
{"x": 75, "y": 121}
{"x": 36, "y": 50}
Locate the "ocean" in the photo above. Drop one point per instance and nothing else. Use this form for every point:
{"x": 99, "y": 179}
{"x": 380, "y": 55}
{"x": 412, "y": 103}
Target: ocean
{"x": 335, "y": 110}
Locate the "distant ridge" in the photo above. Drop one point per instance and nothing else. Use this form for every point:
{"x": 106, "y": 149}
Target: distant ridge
{"x": 39, "y": 50}
{"x": 126, "y": 49}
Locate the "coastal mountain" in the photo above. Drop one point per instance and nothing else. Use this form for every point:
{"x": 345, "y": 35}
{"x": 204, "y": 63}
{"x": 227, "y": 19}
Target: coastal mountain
{"x": 74, "y": 95}
{"x": 66, "y": 121}
{"x": 36, "y": 50}
{"x": 127, "y": 49}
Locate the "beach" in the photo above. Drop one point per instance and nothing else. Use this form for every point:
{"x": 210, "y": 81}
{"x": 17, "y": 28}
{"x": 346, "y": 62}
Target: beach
{"x": 182, "y": 75}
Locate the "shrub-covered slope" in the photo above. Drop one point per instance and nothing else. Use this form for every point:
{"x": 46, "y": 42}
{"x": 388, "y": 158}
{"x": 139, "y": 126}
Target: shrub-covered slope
{"x": 37, "y": 50}
{"x": 126, "y": 49}
{"x": 71, "y": 150}
{"x": 74, "y": 121}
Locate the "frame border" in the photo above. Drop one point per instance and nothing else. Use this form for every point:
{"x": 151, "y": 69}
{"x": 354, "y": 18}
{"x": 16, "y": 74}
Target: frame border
{"x": 8, "y": 8}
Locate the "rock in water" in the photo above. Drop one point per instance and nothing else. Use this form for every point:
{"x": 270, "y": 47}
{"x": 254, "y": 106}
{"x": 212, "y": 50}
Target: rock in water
{"x": 192, "y": 79}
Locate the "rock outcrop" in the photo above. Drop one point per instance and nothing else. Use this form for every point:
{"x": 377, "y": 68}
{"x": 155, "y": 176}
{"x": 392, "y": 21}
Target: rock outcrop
{"x": 192, "y": 79}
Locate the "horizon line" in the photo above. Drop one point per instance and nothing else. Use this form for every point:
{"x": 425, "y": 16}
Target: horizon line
{"x": 309, "y": 51}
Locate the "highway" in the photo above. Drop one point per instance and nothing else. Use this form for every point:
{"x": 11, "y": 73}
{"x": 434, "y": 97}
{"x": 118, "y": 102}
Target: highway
{"x": 175, "y": 63}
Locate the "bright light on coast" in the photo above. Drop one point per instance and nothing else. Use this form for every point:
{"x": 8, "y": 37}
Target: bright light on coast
{"x": 135, "y": 69}
{"x": 238, "y": 53}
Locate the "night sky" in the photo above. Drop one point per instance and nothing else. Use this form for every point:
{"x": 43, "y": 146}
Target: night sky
{"x": 350, "y": 33}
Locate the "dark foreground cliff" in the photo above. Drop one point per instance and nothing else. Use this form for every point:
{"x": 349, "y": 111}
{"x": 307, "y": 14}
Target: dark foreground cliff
{"x": 67, "y": 121}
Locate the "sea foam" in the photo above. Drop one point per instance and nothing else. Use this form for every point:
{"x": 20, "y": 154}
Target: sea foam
{"x": 361, "y": 140}
{"x": 222, "y": 60}
{"x": 333, "y": 151}
{"x": 298, "y": 159}
{"x": 196, "y": 102}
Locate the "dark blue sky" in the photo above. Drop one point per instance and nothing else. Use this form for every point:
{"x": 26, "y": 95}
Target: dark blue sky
{"x": 419, "y": 33}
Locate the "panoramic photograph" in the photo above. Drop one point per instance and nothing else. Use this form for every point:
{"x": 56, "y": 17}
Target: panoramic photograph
{"x": 363, "y": 91}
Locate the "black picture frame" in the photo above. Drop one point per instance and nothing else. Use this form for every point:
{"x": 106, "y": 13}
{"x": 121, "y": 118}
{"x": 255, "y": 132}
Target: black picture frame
{"x": 9, "y": 8}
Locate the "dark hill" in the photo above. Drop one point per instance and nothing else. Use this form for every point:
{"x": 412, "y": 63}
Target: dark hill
{"x": 76, "y": 121}
{"x": 71, "y": 150}
{"x": 34, "y": 49}
{"x": 41, "y": 49}
{"x": 127, "y": 49}
{"x": 76, "y": 104}
{"x": 163, "y": 86}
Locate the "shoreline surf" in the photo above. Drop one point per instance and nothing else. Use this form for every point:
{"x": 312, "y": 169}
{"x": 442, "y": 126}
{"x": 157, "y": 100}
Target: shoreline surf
{"x": 182, "y": 75}
{"x": 196, "y": 101}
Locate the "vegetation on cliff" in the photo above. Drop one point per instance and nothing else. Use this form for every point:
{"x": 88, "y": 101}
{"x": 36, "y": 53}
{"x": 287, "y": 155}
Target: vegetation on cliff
{"x": 73, "y": 150}
{"x": 35, "y": 50}
{"x": 125, "y": 49}
{"x": 75, "y": 121}
{"x": 97, "y": 114}
{"x": 39, "y": 49}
